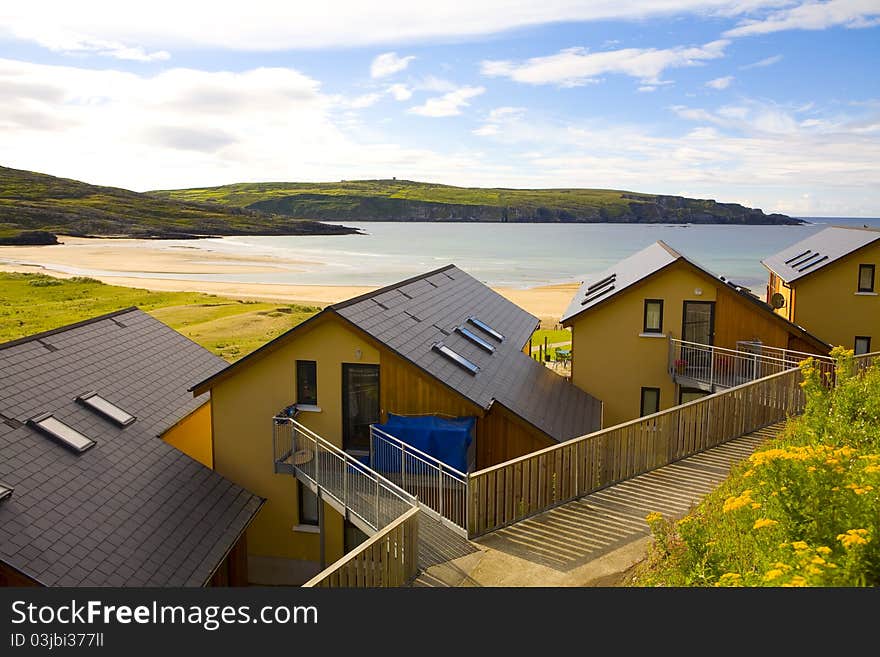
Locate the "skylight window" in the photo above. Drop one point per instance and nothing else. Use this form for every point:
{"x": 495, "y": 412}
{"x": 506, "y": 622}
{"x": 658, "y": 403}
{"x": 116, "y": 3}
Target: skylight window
{"x": 798, "y": 256}
{"x": 108, "y": 409}
{"x": 5, "y": 491}
{"x": 456, "y": 358}
{"x": 67, "y": 436}
{"x": 814, "y": 263}
{"x": 486, "y": 328}
{"x": 804, "y": 261}
{"x": 476, "y": 339}
{"x": 595, "y": 295}
{"x": 605, "y": 281}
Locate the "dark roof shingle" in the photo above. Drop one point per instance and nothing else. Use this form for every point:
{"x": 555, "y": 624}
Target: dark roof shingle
{"x": 412, "y": 316}
{"x": 819, "y": 250}
{"x": 133, "y": 510}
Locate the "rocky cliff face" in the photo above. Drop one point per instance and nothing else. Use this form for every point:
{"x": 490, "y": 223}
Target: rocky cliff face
{"x": 636, "y": 209}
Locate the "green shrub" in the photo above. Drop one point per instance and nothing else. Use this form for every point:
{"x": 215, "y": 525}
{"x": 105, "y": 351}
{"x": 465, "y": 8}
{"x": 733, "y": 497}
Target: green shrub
{"x": 802, "y": 511}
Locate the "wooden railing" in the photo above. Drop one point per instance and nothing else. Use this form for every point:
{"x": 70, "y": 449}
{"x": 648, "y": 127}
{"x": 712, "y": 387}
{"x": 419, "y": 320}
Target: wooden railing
{"x": 511, "y": 491}
{"x": 388, "y": 558}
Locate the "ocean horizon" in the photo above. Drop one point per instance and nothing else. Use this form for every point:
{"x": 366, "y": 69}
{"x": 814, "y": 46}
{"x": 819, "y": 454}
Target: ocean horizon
{"x": 501, "y": 255}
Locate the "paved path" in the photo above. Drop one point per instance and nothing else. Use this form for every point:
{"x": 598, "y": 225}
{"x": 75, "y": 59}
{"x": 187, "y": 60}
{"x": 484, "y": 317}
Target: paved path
{"x": 591, "y": 539}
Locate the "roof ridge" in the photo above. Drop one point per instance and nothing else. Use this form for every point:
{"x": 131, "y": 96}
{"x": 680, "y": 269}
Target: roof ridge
{"x": 671, "y": 251}
{"x": 388, "y": 288}
{"x": 67, "y": 327}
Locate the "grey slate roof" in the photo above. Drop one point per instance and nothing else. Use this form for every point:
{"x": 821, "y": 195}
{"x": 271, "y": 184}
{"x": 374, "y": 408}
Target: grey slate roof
{"x": 411, "y": 316}
{"x": 649, "y": 261}
{"x": 132, "y": 510}
{"x": 818, "y": 251}
{"x": 626, "y": 273}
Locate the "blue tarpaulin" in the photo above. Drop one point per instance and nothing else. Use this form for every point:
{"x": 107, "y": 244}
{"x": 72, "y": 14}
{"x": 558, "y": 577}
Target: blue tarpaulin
{"x": 446, "y": 439}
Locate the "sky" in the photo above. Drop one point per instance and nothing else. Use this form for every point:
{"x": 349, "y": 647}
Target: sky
{"x": 773, "y": 104}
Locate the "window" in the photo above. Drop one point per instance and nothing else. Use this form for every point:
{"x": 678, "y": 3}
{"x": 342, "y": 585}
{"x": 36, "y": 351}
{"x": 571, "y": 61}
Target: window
{"x": 866, "y": 278}
{"x": 108, "y": 409}
{"x": 308, "y": 506}
{"x": 456, "y": 358}
{"x": 5, "y": 491}
{"x": 483, "y": 326}
{"x": 68, "y": 436}
{"x": 650, "y": 401}
{"x": 653, "y": 316}
{"x": 476, "y": 339}
{"x": 307, "y": 382}
{"x": 862, "y": 345}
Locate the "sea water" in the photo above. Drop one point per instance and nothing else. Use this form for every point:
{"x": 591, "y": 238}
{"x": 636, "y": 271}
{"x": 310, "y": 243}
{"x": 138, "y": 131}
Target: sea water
{"x": 515, "y": 255}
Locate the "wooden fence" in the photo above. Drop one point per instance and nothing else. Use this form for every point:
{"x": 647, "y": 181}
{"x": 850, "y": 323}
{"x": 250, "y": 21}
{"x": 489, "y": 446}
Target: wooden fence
{"x": 388, "y": 558}
{"x": 511, "y": 491}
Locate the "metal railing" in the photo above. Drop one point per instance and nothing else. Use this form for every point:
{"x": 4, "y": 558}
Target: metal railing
{"x": 711, "y": 368}
{"x": 439, "y": 487}
{"x": 337, "y": 476}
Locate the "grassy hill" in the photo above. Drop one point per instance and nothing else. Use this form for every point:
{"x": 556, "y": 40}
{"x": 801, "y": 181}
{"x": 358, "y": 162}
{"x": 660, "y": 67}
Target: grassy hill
{"x": 404, "y": 200}
{"x": 32, "y": 303}
{"x": 34, "y": 207}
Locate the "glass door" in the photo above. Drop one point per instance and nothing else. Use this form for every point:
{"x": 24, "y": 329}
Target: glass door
{"x": 698, "y": 322}
{"x": 360, "y": 406}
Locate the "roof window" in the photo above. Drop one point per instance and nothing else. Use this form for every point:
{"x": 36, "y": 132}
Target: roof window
{"x": 66, "y": 435}
{"x": 108, "y": 409}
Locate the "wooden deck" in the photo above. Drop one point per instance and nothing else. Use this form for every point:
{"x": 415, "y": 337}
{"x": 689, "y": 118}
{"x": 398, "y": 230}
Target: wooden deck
{"x": 569, "y": 536}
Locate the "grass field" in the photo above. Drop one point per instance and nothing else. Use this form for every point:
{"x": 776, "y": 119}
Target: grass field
{"x": 31, "y": 303}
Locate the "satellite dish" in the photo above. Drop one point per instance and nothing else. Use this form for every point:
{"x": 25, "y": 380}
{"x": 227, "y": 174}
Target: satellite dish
{"x": 777, "y": 300}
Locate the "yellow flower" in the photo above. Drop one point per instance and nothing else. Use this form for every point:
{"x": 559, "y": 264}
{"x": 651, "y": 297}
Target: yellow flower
{"x": 823, "y": 549}
{"x": 764, "y": 522}
{"x": 734, "y": 503}
{"x": 654, "y": 517}
{"x": 836, "y": 488}
{"x": 772, "y": 574}
{"x": 873, "y": 468}
{"x": 800, "y": 545}
{"x": 729, "y": 579}
{"x": 859, "y": 490}
{"x": 812, "y": 468}
{"x": 756, "y": 505}
{"x": 817, "y": 560}
{"x": 854, "y": 537}
{"x": 797, "y": 580}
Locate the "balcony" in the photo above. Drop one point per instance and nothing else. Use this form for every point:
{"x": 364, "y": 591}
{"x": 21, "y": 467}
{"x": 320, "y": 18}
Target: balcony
{"x": 710, "y": 368}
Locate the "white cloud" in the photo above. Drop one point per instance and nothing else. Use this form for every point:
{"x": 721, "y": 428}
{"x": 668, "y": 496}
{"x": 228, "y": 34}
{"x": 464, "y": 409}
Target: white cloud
{"x": 647, "y": 88}
{"x": 813, "y": 16}
{"x": 576, "y": 66}
{"x": 488, "y": 130}
{"x": 400, "y": 92}
{"x": 269, "y": 25}
{"x": 498, "y": 118}
{"x": 389, "y": 63}
{"x": 720, "y": 83}
{"x": 365, "y": 100}
{"x": 449, "y": 104}
{"x": 761, "y": 63}
{"x": 185, "y": 127}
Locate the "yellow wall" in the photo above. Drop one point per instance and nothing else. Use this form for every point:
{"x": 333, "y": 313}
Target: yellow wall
{"x": 612, "y": 362}
{"x": 192, "y": 435}
{"x": 777, "y": 285}
{"x": 827, "y": 303}
{"x": 243, "y": 405}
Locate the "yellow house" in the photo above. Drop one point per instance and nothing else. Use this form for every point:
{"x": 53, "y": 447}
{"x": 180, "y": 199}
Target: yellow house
{"x": 828, "y": 283}
{"x": 438, "y": 344}
{"x": 656, "y": 330}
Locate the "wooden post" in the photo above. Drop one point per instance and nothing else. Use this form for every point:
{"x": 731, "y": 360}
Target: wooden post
{"x": 546, "y": 353}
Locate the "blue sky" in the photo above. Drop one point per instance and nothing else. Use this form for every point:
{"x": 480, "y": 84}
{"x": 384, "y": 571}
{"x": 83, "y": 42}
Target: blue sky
{"x": 774, "y": 104}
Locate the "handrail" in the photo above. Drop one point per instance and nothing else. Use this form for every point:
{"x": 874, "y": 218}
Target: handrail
{"x": 725, "y": 350}
{"x": 623, "y": 425}
{"x": 425, "y": 457}
{"x": 371, "y": 565}
{"x": 365, "y": 469}
{"x": 441, "y": 490}
{"x": 765, "y": 347}
{"x": 512, "y": 491}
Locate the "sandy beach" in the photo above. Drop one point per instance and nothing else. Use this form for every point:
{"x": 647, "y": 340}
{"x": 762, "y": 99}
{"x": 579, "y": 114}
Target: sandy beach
{"x": 125, "y": 256}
